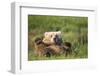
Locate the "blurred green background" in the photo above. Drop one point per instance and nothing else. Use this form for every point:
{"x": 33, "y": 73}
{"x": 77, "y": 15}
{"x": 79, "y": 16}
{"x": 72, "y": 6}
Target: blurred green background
{"x": 74, "y": 30}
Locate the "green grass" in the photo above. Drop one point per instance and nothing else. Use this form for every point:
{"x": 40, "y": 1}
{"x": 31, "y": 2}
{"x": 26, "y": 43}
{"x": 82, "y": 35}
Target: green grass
{"x": 74, "y": 30}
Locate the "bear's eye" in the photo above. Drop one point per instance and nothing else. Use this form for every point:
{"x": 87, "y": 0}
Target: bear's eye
{"x": 51, "y": 36}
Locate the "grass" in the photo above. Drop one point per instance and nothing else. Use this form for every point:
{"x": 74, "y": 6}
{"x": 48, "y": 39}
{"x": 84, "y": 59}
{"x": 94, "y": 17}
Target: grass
{"x": 74, "y": 30}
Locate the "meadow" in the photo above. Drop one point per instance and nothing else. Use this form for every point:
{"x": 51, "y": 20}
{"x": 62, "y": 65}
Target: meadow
{"x": 74, "y": 30}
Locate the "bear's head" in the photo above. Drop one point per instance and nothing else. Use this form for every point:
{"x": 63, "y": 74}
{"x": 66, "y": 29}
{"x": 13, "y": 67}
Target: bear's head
{"x": 52, "y": 37}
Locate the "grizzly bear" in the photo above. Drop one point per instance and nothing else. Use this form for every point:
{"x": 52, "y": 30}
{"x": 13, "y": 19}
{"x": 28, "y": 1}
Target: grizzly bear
{"x": 51, "y": 45}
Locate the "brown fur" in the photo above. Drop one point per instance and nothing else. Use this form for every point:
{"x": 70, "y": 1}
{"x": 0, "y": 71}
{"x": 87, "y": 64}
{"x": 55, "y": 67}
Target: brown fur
{"x": 39, "y": 47}
{"x": 58, "y": 50}
{"x": 42, "y": 49}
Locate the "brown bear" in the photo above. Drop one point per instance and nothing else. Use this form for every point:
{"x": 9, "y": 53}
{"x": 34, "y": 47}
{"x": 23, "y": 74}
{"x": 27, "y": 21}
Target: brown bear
{"x": 50, "y": 38}
{"x": 51, "y": 45}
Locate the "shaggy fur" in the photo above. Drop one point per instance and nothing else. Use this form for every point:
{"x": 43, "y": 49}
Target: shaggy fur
{"x": 42, "y": 49}
{"x": 39, "y": 47}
